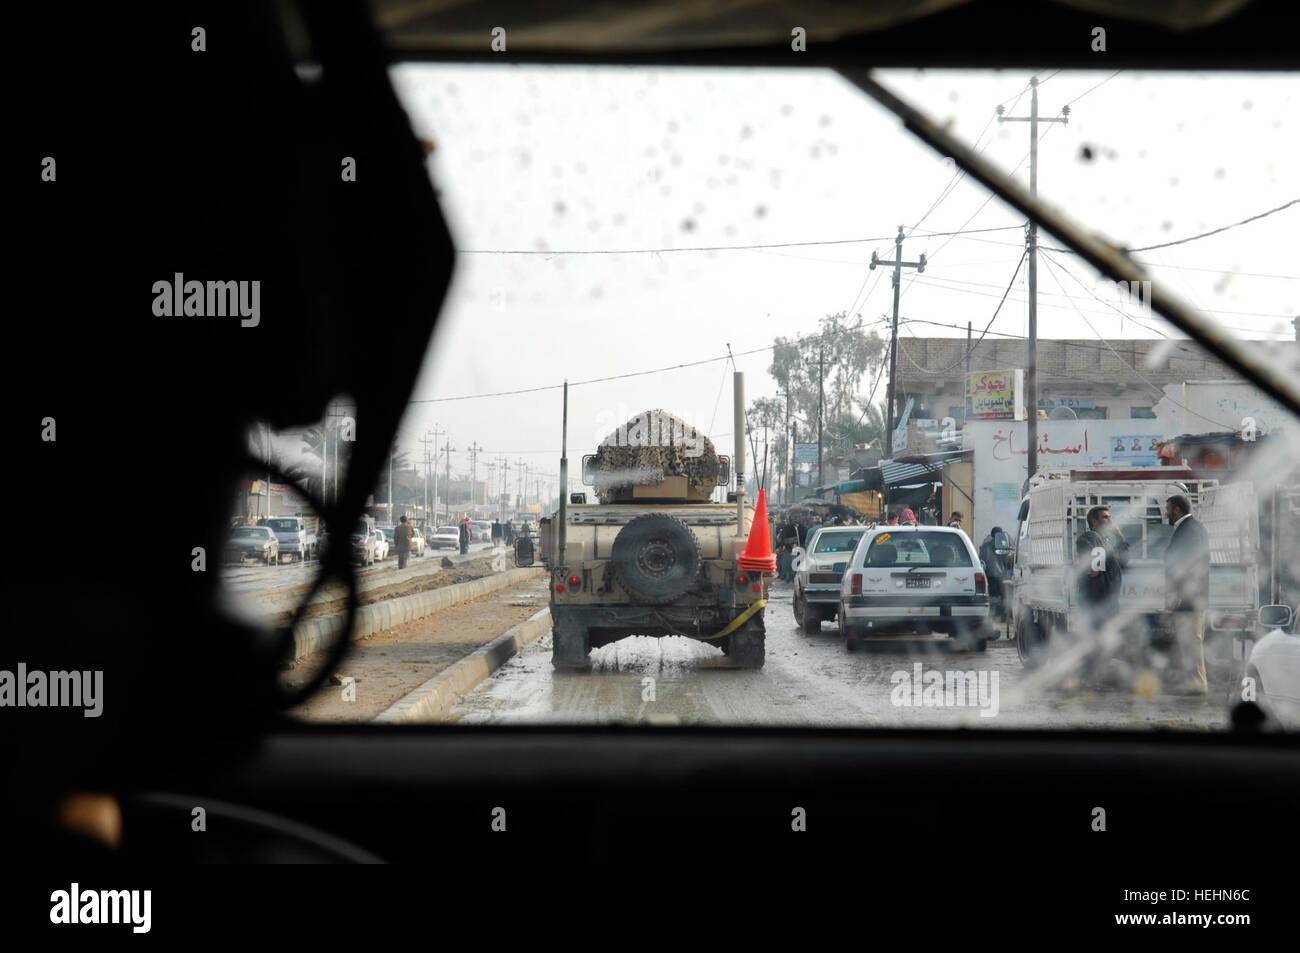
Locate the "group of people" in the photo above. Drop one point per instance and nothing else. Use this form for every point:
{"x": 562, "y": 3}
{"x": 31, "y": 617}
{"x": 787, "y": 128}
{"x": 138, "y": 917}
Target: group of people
{"x": 503, "y": 532}
{"x": 1101, "y": 555}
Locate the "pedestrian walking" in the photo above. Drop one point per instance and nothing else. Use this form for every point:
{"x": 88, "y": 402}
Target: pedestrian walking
{"x": 1187, "y": 584}
{"x": 464, "y": 536}
{"x": 496, "y": 532}
{"x": 402, "y": 539}
{"x": 510, "y": 532}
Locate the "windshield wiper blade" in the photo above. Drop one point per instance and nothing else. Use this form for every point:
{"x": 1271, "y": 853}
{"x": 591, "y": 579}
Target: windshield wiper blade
{"x": 1106, "y": 258}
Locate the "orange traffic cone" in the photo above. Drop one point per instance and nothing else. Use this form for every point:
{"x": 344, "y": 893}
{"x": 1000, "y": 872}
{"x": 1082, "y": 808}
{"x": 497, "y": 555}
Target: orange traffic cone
{"x": 758, "y": 555}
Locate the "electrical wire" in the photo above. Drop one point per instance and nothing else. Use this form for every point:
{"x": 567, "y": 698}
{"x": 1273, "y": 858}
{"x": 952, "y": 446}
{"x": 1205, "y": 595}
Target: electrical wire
{"x": 698, "y": 248}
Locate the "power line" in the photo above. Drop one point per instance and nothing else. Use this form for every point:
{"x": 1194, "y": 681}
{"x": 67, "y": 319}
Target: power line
{"x": 1118, "y": 311}
{"x": 1192, "y": 238}
{"x": 970, "y": 349}
{"x": 1087, "y": 91}
{"x": 1157, "y": 389}
{"x": 699, "y": 248}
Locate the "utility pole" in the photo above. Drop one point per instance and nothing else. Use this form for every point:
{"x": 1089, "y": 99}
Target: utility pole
{"x": 794, "y": 460}
{"x": 432, "y": 514}
{"x": 521, "y": 478}
{"x": 448, "y": 449}
{"x": 788, "y": 470}
{"x": 425, "y": 442}
{"x": 821, "y": 399}
{"x": 898, "y": 265}
{"x": 505, "y": 477}
{"x": 1031, "y": 242}
{"x": 473, "y": 450}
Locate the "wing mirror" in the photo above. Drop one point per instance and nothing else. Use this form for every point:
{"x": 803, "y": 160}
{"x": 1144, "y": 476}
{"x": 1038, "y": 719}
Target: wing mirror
{"x": 1275, "y": 617}
{"x": 524, "y": 552}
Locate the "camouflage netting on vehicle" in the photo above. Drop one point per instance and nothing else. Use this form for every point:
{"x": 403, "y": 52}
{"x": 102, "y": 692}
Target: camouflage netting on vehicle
{"x": 649, "y": 447}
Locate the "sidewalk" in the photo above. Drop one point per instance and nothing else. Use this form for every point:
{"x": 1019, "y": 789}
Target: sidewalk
{"x": 396, "y": 661}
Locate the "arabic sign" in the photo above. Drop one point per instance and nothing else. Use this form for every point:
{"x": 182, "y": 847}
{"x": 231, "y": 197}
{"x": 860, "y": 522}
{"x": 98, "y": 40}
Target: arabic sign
{"x": 1001, "y": 450}
{"x": 805, "y": 453}
{"x": 995, "y": 395}
{"x": 1076, "y": 403}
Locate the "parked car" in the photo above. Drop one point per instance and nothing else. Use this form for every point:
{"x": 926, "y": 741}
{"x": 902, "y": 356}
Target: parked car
{"x": 259, "y": 542}
{"x": 294, "y": 535}
{"x": 819, "y": 572}
{"x": 912, "y": 579}
{"x": 363, "y": 543}
{"x": 1274, "y": 664}
{"x": 382, "y": 540}
{"x": 445, "y": 537}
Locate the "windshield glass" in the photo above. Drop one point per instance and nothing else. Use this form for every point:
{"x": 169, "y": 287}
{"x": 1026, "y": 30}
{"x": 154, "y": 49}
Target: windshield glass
{"x": 284, "y": 525}
{"x": 250, "y": 532}
{"x": 892, "y": 550}
{"x": 837, "y": 542}
{"x": 646, "y": 234}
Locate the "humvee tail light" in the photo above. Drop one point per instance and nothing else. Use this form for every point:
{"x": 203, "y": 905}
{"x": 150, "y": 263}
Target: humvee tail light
{"x": 559, "y": 587}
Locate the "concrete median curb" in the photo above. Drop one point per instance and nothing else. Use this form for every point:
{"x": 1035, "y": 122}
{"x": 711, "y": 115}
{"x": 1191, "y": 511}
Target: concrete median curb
{"x": 433, "y": 700}
{"x": 315, "y": 635}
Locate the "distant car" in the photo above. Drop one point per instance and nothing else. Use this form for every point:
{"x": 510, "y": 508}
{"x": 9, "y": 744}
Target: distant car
{"x": 445, "y": 537}
{"x": 363, "y": 543}
{"x": 390, "y": 535}
{"x": 293, "y": 534}
{"x": 482, "y": 531}
{"x": 817, "y": 578}
{"x": 258, "y": 542}
{"x": 381, "y": 543}
{"x": 1274, "y": 664}
{"x": 912, "y": 579}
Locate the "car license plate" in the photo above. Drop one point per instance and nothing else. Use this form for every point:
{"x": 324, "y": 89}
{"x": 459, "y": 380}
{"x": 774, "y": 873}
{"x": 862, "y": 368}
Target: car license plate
{"x": 918, "y": 582}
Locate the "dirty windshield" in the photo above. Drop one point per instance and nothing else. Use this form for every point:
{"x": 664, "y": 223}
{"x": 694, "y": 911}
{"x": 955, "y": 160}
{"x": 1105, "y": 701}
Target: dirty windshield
{"x": 698, "y": 314}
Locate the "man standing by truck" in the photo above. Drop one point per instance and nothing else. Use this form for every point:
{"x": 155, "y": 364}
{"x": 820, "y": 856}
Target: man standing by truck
{"x": 1100, "y": 554}
{"x": 402, "y": 540}
{"x": 1187, "y": 588}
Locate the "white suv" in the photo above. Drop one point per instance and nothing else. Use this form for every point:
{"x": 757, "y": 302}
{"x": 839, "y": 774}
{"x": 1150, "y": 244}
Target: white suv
{"x": 912, "y": 579}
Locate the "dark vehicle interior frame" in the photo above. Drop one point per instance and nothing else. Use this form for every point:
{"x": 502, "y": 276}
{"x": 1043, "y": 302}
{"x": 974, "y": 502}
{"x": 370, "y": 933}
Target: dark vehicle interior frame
{"x": 200, "y": 716}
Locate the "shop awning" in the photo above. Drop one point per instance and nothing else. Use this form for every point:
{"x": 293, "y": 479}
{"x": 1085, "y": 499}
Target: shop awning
{"x": 906, "y": 474}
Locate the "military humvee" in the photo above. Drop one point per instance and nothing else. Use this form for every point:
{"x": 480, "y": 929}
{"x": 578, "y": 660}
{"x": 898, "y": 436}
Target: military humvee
{"x": 654, "y": 555}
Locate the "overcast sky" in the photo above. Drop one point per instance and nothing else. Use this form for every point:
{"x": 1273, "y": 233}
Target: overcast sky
{"x": 561, "y": 158}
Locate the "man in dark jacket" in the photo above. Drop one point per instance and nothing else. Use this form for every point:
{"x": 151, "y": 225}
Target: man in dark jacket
{"x": 1187, "y": 587}
{"x": 402, "y": 541}
{"x": 496, "y": 532}
{"x": 1100, "y": 554}
{"x": 464, "y": 536}
{"x": 992, "y": 554}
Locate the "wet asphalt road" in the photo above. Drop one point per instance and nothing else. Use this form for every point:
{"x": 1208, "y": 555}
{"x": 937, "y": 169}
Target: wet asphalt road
{"x": 810, "y": 680}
